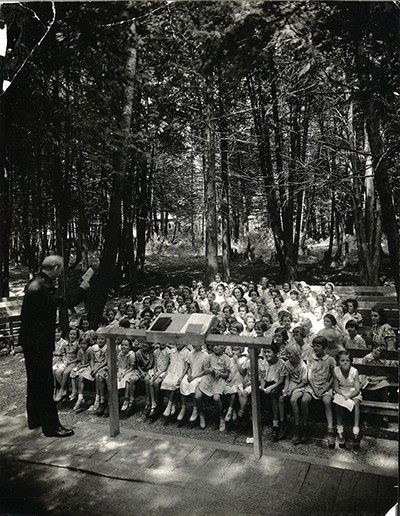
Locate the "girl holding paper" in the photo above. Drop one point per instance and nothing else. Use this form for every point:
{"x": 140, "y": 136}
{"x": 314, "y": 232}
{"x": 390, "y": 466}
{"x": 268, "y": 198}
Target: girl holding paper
{"x": 347, "y": 389}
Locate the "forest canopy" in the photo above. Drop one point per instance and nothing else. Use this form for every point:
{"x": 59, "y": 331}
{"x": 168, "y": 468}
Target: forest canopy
{"x": 134, "y": 121}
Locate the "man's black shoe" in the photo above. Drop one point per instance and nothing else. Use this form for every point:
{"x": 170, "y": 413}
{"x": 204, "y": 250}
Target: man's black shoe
{"x": 60, "y": 432}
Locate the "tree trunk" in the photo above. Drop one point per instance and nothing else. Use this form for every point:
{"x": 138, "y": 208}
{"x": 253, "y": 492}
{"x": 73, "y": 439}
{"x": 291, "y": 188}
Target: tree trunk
{"x": 83, "y": 228}
{"x": 224, "y": 209}
{"x": 211, "y": 196}
{"x": 368, "y": 249}
{"x": 371, "y": 112}
{"x": 5, "y": 220}
{"x": 107, "y": 261}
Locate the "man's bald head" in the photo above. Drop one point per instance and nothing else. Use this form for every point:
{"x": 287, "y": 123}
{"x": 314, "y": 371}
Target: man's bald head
{"x": 53, "y": 266}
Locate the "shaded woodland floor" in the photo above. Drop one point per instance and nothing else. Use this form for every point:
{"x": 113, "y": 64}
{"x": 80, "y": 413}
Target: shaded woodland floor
{"x": 163, "y": 271}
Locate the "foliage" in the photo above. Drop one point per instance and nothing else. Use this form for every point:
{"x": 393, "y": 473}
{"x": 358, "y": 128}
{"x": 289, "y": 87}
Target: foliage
{"x": 284, "y": 73}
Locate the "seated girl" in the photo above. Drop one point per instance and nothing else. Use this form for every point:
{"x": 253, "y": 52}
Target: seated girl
{"x": 237, "y": 373}
{"x": 271, "y": 383}
{"x": 161, "y": 362}
{"x": 320, "y": 368}
{"x": 177, "y": 368}
{"x": 347, "y": 389}
{"x": 197, "y": 360}
{"x": 212, "y": 383}
{"x": 70, "y": 352}
{"x": 58, "y": 358}
{"x": 295, "y": 374}
{"x": 82, "y": 371}
{"x": 382, "y": 332}
{"x": 352, "y": 307}
{"x": 126, "y": 361}
{"x": 142, "y": 371}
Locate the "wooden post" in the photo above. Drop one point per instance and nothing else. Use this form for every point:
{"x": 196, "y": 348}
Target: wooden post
{"x": 112, "y": 386}
{"x": 255, "y": 403}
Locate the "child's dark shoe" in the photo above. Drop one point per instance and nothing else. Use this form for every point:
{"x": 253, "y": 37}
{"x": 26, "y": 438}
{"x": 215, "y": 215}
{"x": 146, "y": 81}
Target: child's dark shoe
{"x": 152, "y": 413}
{"x": 100, "y": 411}
{"x": 296, "y": 435}
{"x": 106, "y": 412}
{"x": 275, "y": 433}
{"x": 341, "y": 440}
{"x": 331, "y": 439}
{"x": 356, "y": 441}
{"x": 305, "y": 435}
{"x": 282, "y": 430}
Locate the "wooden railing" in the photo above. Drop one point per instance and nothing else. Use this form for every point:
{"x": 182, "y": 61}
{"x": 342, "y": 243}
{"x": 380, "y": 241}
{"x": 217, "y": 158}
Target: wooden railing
{"x": 254, "y": 344}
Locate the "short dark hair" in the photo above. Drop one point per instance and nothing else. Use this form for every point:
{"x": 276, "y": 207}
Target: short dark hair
{"x": 124, "y": 323}
{"x": 320, "y": 339}
{"x": 283, "y": 332}
{"x": 275, "y": 347}
{"x": 343, "y": 353}
{"x": 352, "y": 324}
{"x": 381, "y": 312}
{"x": 332, "y": 318}
{"x": 354, "y": 302}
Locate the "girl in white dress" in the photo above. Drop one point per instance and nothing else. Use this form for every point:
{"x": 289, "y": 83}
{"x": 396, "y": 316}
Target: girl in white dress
{"x": 196, "y": 364}
{"x": 346, "y": 384}
{"x": 212, "y": 384}
{"x": 236, "y": 377}
{"x": 177, "y": 368}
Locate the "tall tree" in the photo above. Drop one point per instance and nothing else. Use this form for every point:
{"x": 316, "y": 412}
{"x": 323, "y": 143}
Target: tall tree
{"x": 113, "y": 228}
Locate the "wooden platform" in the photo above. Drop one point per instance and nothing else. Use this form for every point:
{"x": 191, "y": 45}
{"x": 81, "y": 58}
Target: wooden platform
{"x": 184, "y": 476}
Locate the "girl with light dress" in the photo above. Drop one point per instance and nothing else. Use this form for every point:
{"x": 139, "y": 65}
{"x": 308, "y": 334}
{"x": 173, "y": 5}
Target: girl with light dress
{"x": 70, "y": 352}
{"x": 161, "y": 362}
{"x": 132, "y": 316}
{"x": 329, "y": 326}
{"x": 352, "y": 310}
{"x": 177, "y": 368}
{"x": 320, "y": 368}
{"x": 382, "y": 332}
{"x": 58, "y": 358}
{"x": 126, "y": 361}
{"x": 271, "y": 383}
{"x": 143, "y": 371}
{"x": 82, "y": 371}
{"x": 203, "y": 301}
{"x": 242, "y": 314}
{"x": 281, "y": 338}
{"x": 99, "y": 373}
{"x": 249, "y": 330}
{"x": 112, "y": 321}
{"x": 236, "y": 377}
{"x": 319, "y": 312}
{"x": 347, "y": 388}
{"x": 299, "y": 334}
{"x": 220, "y": 295}
{"x": 212, "y": 384}
{"x": 197, "y": 360}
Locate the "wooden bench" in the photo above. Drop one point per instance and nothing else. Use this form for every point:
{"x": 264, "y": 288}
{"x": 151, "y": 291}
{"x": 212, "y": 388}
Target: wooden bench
{"x": 367, "y": 297}
{"x": 10, "y": 320}
{"x": 384, "y": 407}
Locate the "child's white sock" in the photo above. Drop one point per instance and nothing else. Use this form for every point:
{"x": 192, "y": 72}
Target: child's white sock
{"x": 356, "y": 430}
{"x": 80, "y": 396}
{"x": 340, "y": 429}
{"x": 275, "y": 422}
{"x": 97, "y": 398}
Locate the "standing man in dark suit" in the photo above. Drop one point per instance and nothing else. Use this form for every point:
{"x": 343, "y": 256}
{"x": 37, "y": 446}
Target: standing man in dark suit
{"x": 37, "y": 335}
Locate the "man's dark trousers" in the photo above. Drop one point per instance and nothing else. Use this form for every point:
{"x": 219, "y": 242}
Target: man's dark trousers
{"x": 40, "y": 405}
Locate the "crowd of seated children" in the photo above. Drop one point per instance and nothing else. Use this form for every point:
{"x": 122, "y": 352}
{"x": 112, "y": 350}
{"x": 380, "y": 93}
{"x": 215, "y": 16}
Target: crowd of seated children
{"x": 310, "y": 336}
